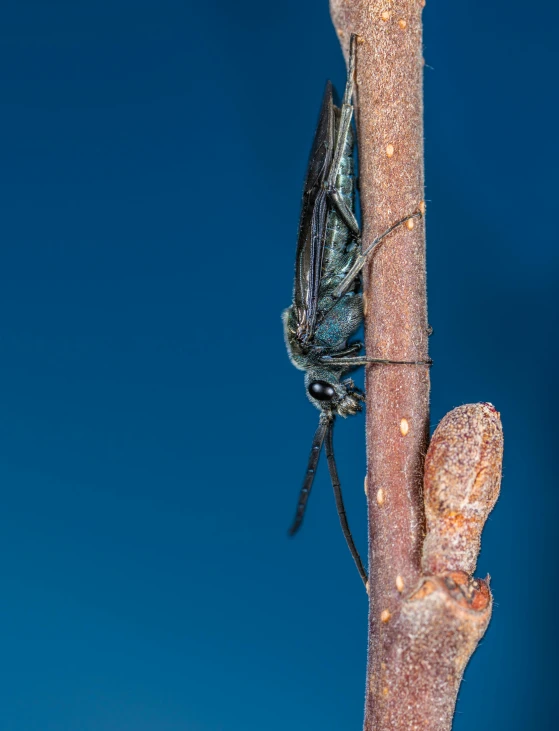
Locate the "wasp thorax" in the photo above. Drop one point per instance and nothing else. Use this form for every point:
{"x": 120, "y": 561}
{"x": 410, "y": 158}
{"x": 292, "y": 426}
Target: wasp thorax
{"x": 321, "y": 390}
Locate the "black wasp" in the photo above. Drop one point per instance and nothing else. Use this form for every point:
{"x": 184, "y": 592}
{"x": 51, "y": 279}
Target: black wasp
{"x": 327, "y": 300}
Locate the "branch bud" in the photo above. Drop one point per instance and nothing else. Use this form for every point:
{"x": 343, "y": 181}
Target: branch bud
{"x": 461, "y": 485}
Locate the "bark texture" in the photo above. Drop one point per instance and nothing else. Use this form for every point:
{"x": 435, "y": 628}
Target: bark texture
{"x": 426, "y": 612}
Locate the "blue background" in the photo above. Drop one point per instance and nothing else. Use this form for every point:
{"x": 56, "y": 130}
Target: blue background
{"x": 153, "y": 435}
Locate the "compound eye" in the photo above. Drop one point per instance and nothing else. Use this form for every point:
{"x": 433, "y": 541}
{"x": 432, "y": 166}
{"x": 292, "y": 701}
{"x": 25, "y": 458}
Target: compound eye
{"x": 321, "y": 391}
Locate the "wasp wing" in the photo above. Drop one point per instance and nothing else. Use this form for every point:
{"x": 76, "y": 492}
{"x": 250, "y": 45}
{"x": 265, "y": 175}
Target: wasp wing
{"x": 313, "y": 221}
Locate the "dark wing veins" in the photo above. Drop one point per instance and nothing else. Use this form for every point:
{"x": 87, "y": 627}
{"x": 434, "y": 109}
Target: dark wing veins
{"x": 312, "y": 224}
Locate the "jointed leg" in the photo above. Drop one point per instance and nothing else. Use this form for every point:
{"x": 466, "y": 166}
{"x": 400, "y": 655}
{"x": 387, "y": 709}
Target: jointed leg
{"x": 345, "y": 213}
{"x": 347, "y": 283}
{"x": 351, "y": 350}
{"x": 346, "y": 114}
{"x": 361, "y": 361}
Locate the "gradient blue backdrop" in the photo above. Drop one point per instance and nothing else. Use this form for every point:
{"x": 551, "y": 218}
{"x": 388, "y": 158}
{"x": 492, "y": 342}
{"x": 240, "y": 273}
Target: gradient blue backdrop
{"x": 153, "y": 433}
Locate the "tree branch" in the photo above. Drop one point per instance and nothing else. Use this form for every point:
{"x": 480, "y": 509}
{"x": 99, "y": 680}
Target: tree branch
{"x": 426, "y": 613}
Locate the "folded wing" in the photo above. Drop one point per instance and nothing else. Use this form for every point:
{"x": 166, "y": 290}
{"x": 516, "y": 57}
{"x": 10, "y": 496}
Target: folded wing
{"x": 313, "y": 222}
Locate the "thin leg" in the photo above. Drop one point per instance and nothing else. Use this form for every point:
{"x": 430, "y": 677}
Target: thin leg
{"x": 345, "y": 213}
{"x": 351, "y": 350}
{"x": 361, "y": 361}
{"x": 317, "y": 441}
{"x": 347, "y": 282}
{"x": 340, "y": 503}
{"x": 346, "y": 113}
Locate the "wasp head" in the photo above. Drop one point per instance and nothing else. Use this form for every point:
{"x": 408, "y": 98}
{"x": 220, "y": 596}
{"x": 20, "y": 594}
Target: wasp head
{"x": 328, "y": 393}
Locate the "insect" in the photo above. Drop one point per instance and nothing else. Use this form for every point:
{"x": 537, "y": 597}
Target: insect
{"x": 327, "y": 306}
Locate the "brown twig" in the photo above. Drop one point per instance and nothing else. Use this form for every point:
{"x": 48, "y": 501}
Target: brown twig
{"x": 426, "y": 613}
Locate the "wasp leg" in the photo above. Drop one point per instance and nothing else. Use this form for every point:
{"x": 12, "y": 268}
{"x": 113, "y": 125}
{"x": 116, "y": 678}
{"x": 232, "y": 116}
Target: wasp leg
{"x": 345, "y": 213}
{"x": 358, "y": 361}
{"x": 347, "y": 282}
{"x": 346, "y": 113}
{"x": 352, "y": 349}
{"x": 352, "y": 388}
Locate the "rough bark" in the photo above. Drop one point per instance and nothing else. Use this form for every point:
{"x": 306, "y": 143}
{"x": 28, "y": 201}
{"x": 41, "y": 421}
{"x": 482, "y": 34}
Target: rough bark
{"x": 426, "y": 612}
